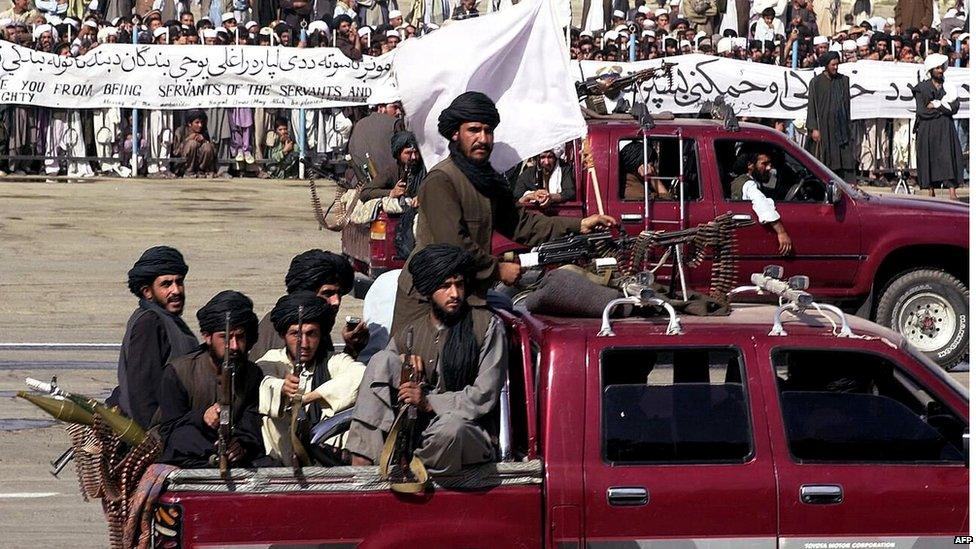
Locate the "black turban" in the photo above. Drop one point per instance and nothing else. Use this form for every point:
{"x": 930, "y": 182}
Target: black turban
{"x": 402, "y": 140}
{"x": 310, "y": 270}
{"x": 156, "y": 261}
{"x": 467, "y": 107}
{"x": 827, "y": 58}
{"x": 338, "y": 20}
{"x": 436, "y": 263}
{"x": 314, "y": 309}
{"x": 212, "y": 316}
{"x": 632, "y": 157}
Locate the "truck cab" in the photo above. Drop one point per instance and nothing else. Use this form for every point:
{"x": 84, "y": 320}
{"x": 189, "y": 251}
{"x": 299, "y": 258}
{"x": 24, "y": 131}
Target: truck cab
{"x": 722, "y": 431}
{"x": 863, "y": 251}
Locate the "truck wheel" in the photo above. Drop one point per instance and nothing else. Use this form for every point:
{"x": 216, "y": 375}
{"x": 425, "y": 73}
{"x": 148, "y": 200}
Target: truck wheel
{"x": 931, "y": 309}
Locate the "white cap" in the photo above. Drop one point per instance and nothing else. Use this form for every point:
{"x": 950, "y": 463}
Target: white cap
{"x": 648, "y": 24}
{"x": 817, "y": 40}
{"x": 72, "y": 22}
{"x": 267, "y": 31}
{"x": 647, "y": 33}
{"x": 392, "y": 33}
{"x": 878, "y": 23}
{"x": 740, "y": 42}
{"x": 317, "y": 25}
{"x": 586, "y": 33}
{"x": 849, "y": 45}
{"x": 621, "y": 28}
{"x": 675, "y": 2}
{"x": 91, "y": 24}
{"x": 618, "y": 13}
{"x": 863, "y": 41}
{"x": 394, "y": 14}
{"x": 221, "y": 30}
{"x": 890, "y": 21}
{"x": 835, "y": 46}
{"x": 611, "y": 36}
{"x": 935, "y": 60}
{"x": 660, "y": 11}
{"x": 954, "y": 30}
{"x": 644, "y": 9}
{"x": 41, "y": 29}
{"x": 117, "y": 21}
{"x": 699, "y": 35}
{"x": 227, "y": 17}
{"x": 53, "y": 20}
{"x": 210, "y": 33}
{"x": 963, "y": 37}
{"x": 685, "y": 44}
{"x": 365, "y": 30}
{"x": 160, "y": 31}
{"x": 6, "y": 22}
{"x": 724, "y": 45}
{"x": 250, "y": 24}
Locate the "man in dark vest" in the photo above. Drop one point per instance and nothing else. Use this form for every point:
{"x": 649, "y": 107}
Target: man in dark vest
{"x": 755, "y": 168}
{"x": 463, "y": 200}
{"x": 460, "y": 350}
{"x": 189, "y": 390}
{"x": 829, "y": 118}
{"x": 154, "y": 335}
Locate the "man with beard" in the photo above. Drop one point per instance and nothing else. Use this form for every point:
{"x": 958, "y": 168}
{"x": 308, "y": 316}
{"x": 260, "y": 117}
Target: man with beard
{"x": 463, "y": 200}
{"x": 330, "y": 277}
{"x": 940, "y": 160}
{"x": 410, "y": 174}
{"x": 328, "y": 382}
{"x": 551, "y": 182}
{"x": 756, "y": 167}
{"x": 829, "y": 118}
{"x": 189, "y": 412}
{"x": 154, "y": 334}
{"x": 459, "y": 349}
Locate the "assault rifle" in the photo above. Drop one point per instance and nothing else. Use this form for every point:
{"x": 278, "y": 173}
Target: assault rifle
{"x": 404, "y": 470}
{"x": 299, "y": 422}
{"x": 225, "y": 382}
{"x": 612, "y": 84}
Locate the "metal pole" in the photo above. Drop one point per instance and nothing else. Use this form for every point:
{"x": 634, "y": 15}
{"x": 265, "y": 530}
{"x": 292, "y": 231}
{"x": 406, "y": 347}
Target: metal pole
{"x": 958, "y": 50}
{"x": 135, "y": 120}
{"x": 794, "y": 62}
{"x": 301, "y": 122}
{"x": 632, "y": 47}
{"x": 647, "y": 196}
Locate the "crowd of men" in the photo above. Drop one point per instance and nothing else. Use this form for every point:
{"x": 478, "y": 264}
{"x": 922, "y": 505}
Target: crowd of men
{"x": 265, "y": 142}
{"x": 168, "y": 379}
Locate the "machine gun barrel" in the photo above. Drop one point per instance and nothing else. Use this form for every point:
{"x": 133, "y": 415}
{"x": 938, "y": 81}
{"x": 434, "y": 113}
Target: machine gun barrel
{"x": 778, "y": 287}
{"x": 226, "y": 401}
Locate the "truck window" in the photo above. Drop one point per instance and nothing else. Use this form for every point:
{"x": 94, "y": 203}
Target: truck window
{"x": 663, "y": 164}
{"x": 674, "y": 406}
{"x": 790, "y": 181}
{"x": 853, "y": 406}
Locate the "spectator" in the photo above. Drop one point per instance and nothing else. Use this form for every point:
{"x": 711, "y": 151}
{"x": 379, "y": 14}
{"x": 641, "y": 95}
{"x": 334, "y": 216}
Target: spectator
{"x": 549, "y": 182}
{"x": 465, "y": 10}
{"x": 829, "y": 118}
{"x": 197, "y": 151}
{"x": 284, "y": 159}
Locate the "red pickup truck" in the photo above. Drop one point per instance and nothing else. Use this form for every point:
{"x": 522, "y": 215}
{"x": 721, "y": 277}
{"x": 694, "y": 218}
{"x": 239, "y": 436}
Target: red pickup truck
{"x": 716, "y": 433}
{"x": 903, "y": 262}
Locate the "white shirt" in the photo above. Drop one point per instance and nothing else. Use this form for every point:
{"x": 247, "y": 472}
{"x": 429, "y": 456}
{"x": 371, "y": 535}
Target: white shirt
{"x": 764, "y": 206}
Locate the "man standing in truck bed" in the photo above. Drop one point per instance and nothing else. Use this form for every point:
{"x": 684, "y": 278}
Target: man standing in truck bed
{"x": 463, "y": 200}
{"x": 461, "y": 351}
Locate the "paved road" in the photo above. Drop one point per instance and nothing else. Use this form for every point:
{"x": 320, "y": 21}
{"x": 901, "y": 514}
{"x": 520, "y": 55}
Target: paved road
{"x": 65, "y": 250}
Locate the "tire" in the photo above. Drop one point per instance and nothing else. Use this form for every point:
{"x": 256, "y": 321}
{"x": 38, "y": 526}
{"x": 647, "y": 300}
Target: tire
{"x": 931, "y": 309}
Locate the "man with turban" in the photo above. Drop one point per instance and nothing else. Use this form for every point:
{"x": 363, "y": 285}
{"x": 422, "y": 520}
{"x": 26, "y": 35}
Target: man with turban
{"x": 328, "y": 275}
{"x": 154, "y": 334}
{"x": 940, "y": 160}
{"x": 460, "y": 350}
{"x": 633, "y": 166}
{"x": 550, "y": 182}
{"x": 410, "y": 174}
{"x": 189, "y": 391}
{"x": 464, "y": 200}
{"x": 328, "y": 382}
{"x": 829, "y": 118}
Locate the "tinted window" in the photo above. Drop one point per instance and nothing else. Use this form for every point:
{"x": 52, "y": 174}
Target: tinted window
{"x": 664, "y": 167}
{"x": 791, "y": 180}
{"x": 674, "y": 406}
{"x": 848, "y": 406}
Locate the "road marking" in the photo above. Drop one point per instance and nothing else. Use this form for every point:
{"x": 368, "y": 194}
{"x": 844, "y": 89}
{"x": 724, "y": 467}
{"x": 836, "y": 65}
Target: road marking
{"x": 26, "y": 495}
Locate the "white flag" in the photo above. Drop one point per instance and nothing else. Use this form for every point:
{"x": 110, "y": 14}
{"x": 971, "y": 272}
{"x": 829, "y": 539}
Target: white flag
{"x": 517, "y": 58}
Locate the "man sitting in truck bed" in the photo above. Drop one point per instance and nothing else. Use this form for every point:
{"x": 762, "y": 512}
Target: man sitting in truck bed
{"x": 460, "y": 351}
{"x": 328, "y": 382}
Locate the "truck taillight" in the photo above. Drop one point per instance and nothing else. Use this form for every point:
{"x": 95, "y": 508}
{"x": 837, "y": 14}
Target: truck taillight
{"x": 168, "y": 526}
{"x": 377, "y": 230}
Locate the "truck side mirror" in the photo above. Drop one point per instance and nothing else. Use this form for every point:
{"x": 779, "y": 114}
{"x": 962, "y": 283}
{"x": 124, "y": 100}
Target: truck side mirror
{"x": 833, "y": 193}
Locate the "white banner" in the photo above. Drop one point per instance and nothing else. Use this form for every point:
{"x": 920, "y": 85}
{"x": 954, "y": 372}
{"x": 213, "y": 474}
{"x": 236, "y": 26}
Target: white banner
{"x": 879, "y": 89}
{"x": 516, "y": 57}
{"x": 183, "y": 77}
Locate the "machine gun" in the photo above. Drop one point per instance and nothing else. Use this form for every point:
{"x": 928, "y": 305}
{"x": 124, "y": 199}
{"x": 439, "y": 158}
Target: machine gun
{"x": 298, "y": 430}
{"x": 611, "y": 85}
{"x": 225, "y": 383}
{"x": 404, "y": 470}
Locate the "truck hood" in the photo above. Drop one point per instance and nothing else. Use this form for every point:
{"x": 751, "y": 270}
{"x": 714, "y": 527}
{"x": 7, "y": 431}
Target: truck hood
{"x": 916, "y": 204}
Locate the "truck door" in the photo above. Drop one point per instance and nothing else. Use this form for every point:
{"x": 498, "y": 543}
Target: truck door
{"x": 624, "y": 195}
{"x": 826, "y": 236}
{"x": 868, "y": 446}
{"x": 675, "y": 447}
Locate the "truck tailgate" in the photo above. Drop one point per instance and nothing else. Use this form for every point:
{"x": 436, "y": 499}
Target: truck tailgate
{"x": 496, "y": 505}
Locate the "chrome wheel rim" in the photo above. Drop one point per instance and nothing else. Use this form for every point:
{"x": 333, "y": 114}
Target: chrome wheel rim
{"x": 927, "y": 321}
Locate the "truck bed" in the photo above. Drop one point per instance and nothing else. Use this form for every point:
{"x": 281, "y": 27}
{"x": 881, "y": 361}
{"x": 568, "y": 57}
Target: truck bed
{"x": 494, "y": 505}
